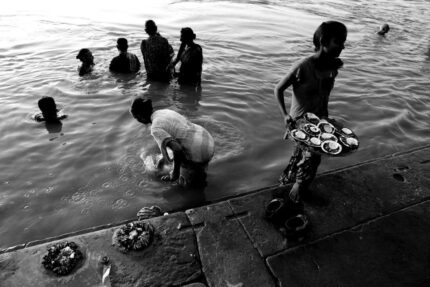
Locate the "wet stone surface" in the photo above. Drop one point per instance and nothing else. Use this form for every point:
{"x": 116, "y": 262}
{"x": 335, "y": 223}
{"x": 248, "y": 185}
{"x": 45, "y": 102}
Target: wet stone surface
{"x": 344, "y": 199}
{"x": 412, "y": 168}
{"x": 341, "y": 200}
{"x": 391, "y": 251}
{"x": 264, "y": 235}
{"x": 228, "y": 257}
{"x": 171, "y": 259}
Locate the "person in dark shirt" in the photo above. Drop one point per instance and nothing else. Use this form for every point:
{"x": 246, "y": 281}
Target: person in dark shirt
{"x": 87, "y": 59}
{"x": 157, "y": 53}
{"x": 125, "y": 62}
{"x": 191, "y": 57}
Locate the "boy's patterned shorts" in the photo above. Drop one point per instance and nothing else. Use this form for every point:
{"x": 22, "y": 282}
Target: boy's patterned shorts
{"x": 301, "y": 168}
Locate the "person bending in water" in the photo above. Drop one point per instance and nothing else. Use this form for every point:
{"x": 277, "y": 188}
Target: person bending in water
{"x": 157, "y": 54}
{"x": 87, "y": 59}
{"x": 49, "y": 111}
{"x": 383, "y": 29}
{"x": 312, "y": 79}
{"x": 125, "y": 62}
{"x": 190, "y": 55}
{"x": 192, "y": 145}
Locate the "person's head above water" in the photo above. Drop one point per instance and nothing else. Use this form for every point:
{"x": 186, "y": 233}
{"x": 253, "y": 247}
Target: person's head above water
{"x": 141, "y": 109}
{"x": 48, "y": 108}
{"x": 122, "y": 44}
{"x": 150, "y": 27}
{"x": 85, "y": 56}
{"x": 383, "y": 29}
{"x": 187, "y": 35}
{"x": 330, "y": 36}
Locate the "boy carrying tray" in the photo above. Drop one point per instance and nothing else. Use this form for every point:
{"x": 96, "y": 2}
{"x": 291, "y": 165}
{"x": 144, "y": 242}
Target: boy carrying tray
{"x": 312, "y": 79}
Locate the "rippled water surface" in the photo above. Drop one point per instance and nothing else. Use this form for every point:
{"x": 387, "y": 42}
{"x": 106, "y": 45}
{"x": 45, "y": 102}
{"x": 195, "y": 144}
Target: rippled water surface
{"x": 94, "y": 169}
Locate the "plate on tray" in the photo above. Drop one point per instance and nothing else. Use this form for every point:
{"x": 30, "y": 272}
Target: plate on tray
{"x": 314, "y": 142}
{"x": 326, "y": 127}
{"x": 299, "y": 135}
{"x": 346, "y": 132}
{"x": 328, "y": 137}
{"x": 312, "y": 118}
{"x": 311, "y": 129}
{"x": 331, "y": 147}
{"x": 350, "y": 142}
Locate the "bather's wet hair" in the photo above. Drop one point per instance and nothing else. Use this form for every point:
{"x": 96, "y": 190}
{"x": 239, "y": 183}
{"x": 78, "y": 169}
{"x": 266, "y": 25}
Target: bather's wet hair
{"x": 150, "y": 27}
{"x": 327, "y": 31}
{"x": 122, "y": 44}
{"x": 141, "y": 107}
{"x": 85, "y": 56}
{"x": 48, "y": 108}
{"x": 188, "y": 33}
{"x": 384, "y": 29}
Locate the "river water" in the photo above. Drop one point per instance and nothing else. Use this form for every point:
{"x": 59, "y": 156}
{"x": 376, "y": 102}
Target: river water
{"x": 90, "y": 170}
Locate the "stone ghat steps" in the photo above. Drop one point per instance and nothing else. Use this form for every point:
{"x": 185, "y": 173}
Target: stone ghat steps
{"x": 370, "y": 226}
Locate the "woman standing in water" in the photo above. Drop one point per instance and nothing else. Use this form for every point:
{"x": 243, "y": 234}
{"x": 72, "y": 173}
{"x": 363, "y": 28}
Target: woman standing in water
{"x": 312, "y": 79}
{"x": 191, "y": 57}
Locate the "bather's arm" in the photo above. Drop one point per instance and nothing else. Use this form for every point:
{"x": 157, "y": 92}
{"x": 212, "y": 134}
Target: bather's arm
{"x": 178, "y": 57}
{"x": 178, "y": 158}
{"x": 279, "y": 90}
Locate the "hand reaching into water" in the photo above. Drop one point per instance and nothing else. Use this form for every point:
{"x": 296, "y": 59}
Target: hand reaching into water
{"x": 160, "y": 163}
{"x": 172, "y": 176}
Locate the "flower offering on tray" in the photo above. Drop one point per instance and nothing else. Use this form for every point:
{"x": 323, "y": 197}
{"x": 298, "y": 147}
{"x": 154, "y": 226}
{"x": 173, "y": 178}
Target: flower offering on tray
{"x": 322, "y": 136}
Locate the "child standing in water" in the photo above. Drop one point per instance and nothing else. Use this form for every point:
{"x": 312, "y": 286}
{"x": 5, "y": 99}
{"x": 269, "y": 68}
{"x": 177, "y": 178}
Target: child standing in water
{"x": 312, "y": 79}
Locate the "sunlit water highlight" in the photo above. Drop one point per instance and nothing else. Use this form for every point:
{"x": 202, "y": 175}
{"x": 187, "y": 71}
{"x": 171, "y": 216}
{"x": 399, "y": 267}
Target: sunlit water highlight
{"x": 92, "y": 173}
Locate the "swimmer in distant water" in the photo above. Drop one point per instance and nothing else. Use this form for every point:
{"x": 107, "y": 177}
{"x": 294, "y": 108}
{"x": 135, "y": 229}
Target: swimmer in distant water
{"x": 125, "y": 62}
{"x": 191, "y": 57}
{"x": 49, "y": 111}
{"x": 312, "y": 79}
{"x": 383, "y": 29}
{"x": 192, "y": 145}
{"x": 87, "y": 59}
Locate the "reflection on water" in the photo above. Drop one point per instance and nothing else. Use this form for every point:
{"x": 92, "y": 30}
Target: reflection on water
{"x": 53, "y": 127}
{"x": 89, "y": 171}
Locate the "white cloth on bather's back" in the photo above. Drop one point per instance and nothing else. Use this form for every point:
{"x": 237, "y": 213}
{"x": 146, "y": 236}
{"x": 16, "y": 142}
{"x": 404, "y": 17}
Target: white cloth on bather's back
{"x": 196, "y": 141}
